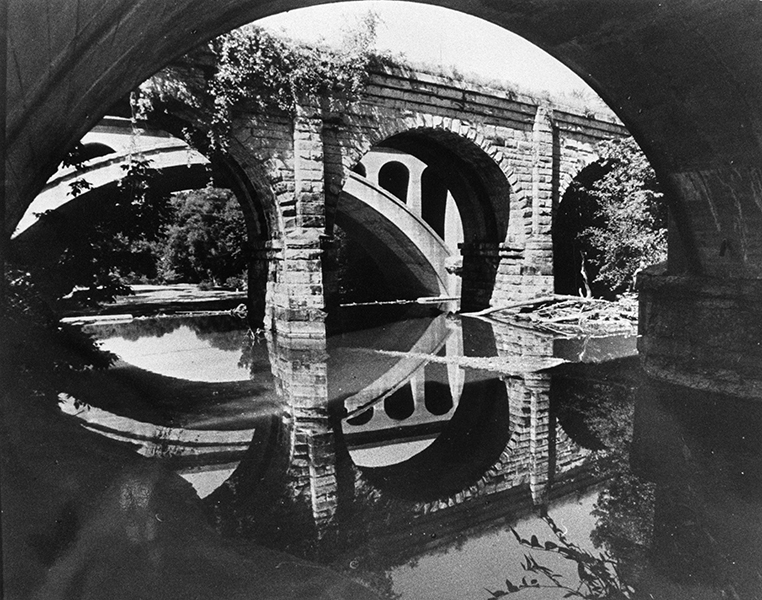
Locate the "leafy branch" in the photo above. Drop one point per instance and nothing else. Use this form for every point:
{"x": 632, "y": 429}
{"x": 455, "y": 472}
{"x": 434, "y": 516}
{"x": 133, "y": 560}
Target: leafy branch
{"x": 632, "y": 233}
{"x": 599, "y": 578}
{"x": 265, "y": 71}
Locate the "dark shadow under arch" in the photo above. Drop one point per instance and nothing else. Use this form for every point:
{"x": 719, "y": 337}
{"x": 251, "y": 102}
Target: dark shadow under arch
{"x": 575, "y": 212}
{"x": 433, "y": 200}
{"x": 93, "y": 150}
{"x": 480, "y": 189}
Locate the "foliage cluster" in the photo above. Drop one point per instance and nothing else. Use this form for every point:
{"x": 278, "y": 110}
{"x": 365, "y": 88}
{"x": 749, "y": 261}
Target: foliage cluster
{"x": 40, "y": 354}
{"x": 111, "y": 241}
{"x": 631, "y": 214}
{"x": 265, "y": 71}
{"x": 206, "y": 241}
{"x": 598, "y": 574}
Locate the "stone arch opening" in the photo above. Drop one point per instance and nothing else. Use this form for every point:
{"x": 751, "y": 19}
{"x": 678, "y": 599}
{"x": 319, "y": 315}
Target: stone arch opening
{"x": 478, "y": 185}
{"x": 481, "y": 192}
{"x": 573, "y": 273}
{"x": 395, "y": 178}
{"x": 172, "y": 171}
{"x": 480, "y": 189}
{"x": 251, "y": 185}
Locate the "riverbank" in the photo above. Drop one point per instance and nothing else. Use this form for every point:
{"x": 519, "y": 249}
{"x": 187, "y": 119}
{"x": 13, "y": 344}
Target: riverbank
{"x": 161, "y": 299}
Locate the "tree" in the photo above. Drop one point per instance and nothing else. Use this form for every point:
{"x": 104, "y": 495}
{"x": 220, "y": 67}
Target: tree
{"x": 103, "y": 241}
{"x": 263, "y": 70}
{"x": 207, "y": 240}
{"x": 40, "y": 356}
{"x": 631, "y": 228}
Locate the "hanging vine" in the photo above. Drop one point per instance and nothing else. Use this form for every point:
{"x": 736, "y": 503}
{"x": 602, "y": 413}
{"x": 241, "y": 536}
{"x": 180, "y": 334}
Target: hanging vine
{"x": 264, "y": 71}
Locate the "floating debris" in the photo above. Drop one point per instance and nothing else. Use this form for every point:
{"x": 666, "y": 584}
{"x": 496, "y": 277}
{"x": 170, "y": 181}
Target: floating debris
{"x": 569, "y": 316}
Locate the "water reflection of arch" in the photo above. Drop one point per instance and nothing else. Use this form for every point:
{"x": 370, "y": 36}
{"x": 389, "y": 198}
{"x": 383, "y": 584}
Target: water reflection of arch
{"x": 205, "y": 458}
{"x": 469, "y": 442}
{"x": 464, "y": 441}
{"x": 502, "y": 453}
{"x": 366, "y": 380}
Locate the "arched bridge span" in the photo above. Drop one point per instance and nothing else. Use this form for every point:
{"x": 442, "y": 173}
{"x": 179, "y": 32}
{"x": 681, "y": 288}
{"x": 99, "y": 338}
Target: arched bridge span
{"x": 181, "y": 168}
{"x": 404, "y": 243}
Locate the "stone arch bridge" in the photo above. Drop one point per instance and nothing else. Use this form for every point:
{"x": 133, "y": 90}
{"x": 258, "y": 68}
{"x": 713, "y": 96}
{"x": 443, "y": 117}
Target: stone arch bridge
{"x": 504, "y": 160}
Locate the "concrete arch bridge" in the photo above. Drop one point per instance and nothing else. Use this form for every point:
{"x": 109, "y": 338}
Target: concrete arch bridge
{"x": 412, "y": 251}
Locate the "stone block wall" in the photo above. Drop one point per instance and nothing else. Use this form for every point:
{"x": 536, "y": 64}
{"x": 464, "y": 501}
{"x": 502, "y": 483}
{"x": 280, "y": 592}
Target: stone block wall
{"x": 522, "y": 153}
{"x": 701, "y": 332}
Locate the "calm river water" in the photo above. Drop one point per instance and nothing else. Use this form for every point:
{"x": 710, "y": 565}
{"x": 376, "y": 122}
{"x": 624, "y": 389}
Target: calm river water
{"x": 429, "y": 456}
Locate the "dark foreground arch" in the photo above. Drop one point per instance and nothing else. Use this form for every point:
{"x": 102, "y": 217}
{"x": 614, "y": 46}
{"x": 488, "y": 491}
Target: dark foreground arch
{"x": 684, "y": 76}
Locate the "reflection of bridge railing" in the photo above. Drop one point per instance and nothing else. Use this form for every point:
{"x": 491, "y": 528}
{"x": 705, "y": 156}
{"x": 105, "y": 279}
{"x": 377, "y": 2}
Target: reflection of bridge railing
{"x": 408, "y": 370}
{"x": 391, "y": 418}
{"x": 156, "y": 440}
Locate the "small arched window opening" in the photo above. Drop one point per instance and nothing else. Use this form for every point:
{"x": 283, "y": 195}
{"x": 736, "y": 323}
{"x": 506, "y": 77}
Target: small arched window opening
{"x": 433, "y": 201}
{"x": 394, "y": 177}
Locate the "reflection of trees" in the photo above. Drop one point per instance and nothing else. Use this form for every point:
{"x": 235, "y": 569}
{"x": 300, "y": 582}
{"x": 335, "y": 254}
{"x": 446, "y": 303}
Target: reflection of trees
{"x": 222, "y": 331}
{"x": 596, "y": 404}
{"x": 254, "y": 354}
{"x": 625, "y": 506}
{"x": 38, "y": 354}
{"x": 599, "y": 577}
{"x": 604, "y": 402}
{"x": 625, "y": 511}
{"x": 138, "y": 328}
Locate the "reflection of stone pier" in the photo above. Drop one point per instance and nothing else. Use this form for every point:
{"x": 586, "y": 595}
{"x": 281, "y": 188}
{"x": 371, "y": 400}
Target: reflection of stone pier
{"x": 398, "y": 428}
{"x": 497, "y": 454}
{"x": 300, "y": 368}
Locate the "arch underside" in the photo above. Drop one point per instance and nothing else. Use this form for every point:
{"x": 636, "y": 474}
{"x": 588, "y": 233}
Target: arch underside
{"x": 683, "y": 77}
{"x": 403, "y": 246}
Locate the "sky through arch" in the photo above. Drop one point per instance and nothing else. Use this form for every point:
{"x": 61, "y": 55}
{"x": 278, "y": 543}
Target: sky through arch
{"x": 437, "y": 36}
